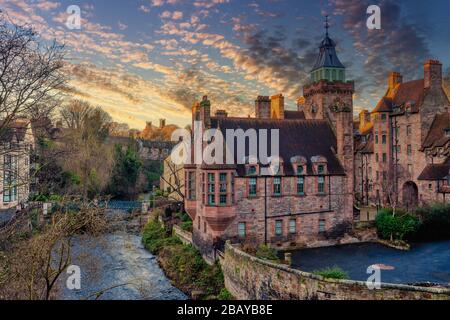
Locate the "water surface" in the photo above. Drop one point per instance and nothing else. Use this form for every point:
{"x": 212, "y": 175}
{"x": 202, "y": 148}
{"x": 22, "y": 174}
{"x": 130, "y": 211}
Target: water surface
{"x": 425, "y": 262}
{"x": 119, "y": 264}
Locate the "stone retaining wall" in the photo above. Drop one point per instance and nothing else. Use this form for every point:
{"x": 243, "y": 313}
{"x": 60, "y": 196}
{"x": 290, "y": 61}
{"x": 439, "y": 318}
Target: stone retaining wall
{"x": 184, "y": 236}
{"x": 249, "y": 278}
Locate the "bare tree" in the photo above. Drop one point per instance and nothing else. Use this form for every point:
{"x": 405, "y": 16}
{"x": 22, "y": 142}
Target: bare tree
{"x": 30, "y": 73}
{"x": 30, "y": 76}
{"x": 175, "y": 180}
{"x": 31, "y": 265}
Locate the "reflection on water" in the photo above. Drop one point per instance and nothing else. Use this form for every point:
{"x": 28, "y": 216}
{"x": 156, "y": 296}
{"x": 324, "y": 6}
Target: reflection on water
{"x": 426, "y": 262}
{"x": 119, "y": 265}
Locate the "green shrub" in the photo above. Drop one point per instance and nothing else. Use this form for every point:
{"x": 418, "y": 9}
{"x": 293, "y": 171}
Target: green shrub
{"x": 435, "y": 222}
{"x": 154, "y": 237}
{"x": 183, "y": 264}
{"x": 187, "y": 226}
{"x": 396, "y": 227}
{"x": 267, "y": 253}
{"x": 224, "y": 295}
{"x": 332, "y": 273}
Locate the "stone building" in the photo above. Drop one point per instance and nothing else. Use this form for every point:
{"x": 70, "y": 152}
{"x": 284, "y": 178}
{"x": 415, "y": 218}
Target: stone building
{"x": 402, "y": 147}
{"x": 309, "y": 200}
{"x": 16, "y": 144}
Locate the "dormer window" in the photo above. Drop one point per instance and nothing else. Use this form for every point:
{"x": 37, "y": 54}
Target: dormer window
{"x": 300, "y": 170}
{"x": 320, "y": 169}
{"x": 447, "y": 132}
{"x": 252, "y": 170}
{"x": 364, "y": 139}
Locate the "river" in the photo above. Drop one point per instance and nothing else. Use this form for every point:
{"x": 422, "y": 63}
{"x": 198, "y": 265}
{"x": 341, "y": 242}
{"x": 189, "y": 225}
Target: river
{"x": 425, "y": 262}
{"x": 120, "y": 263}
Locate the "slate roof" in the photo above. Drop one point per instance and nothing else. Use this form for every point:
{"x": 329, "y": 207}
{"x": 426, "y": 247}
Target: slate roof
{"x": 306, "y": 138}
{"x": 411, "y": 92}
{"x": 294, "y": 115}
{"x": 327, "y": 56}
{"x": 435, "y": 172}
{"x": 436, "y": 136}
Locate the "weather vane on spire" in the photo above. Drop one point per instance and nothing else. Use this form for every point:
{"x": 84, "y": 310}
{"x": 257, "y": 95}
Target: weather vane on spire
{"x": 327, "y": 25}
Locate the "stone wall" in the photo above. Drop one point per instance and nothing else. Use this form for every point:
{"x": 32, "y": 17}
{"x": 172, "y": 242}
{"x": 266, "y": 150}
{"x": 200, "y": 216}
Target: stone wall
{"x": 249, "y": 278}
{"x": 184, "y": 236}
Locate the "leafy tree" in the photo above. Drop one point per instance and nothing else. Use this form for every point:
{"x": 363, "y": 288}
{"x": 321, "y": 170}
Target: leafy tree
{"x": 126, "y": 171}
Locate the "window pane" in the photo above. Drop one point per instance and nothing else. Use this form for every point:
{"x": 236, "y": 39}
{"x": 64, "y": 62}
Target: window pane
{"x": 242, "y": 229}
{"x": 321, "y": 184}
{"x": 279, "y": 227}
{"x": 292, "y": 226}
{"x": 277, "y": 186}
{"x": 252, "y": 186}
{"x": 301, "y": 185}
{"x": 322, "y": 226}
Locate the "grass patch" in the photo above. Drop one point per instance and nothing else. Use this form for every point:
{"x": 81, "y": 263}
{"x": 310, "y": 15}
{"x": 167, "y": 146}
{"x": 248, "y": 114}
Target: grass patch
{"x": 332, "y": 273}
{"x": 267, "y": 253}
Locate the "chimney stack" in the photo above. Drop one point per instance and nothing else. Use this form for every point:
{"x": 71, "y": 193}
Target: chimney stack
{"x": 364, "y": 119}
{"x": 262, "y": 107}
{"x": 432, "y": 74}
{"x": 221, "y": 114}
{"x": 205, "y": 112}
{"x": 277, "y": 107}
{"x": 395, "y": 78}
{"x": 301, "y": 104}
{"x": 162, "y": 123}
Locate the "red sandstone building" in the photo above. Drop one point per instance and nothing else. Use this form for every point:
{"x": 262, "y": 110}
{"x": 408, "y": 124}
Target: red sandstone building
{"x": 310, "y": 199}
{"x": 402, "y": 148}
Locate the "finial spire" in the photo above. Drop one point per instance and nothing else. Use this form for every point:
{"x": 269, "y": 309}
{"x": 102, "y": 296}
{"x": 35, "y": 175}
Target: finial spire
{"x": 327, "y": 25}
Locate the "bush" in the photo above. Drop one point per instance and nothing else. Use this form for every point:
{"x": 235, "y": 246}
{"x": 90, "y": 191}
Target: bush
{"x": 396, "y": 227}
{"x": 267, "y": 253}
{"x": 435, "y": 222}
{"x": 187, "y": 226}
{"x": 183, "y": 264}
{"x": 332, "y": 273}
{"x": 224, "y": 295}
{"x": 155, "y": 237}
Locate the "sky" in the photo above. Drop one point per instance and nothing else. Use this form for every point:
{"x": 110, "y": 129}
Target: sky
{"x": 142, "y": 60}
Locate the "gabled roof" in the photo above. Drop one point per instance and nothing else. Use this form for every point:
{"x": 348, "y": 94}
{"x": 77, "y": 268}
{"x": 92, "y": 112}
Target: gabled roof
{"x": 436, "y": 136}
{"x": 411, "y": 92}
{"x": 434, "y": 172}
{"x": 305, "y": 138}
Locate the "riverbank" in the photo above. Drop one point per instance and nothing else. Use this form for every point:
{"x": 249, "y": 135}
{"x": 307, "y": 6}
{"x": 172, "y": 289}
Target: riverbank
{"x": 184, "y": 265}
{"x": 116, "y": 266}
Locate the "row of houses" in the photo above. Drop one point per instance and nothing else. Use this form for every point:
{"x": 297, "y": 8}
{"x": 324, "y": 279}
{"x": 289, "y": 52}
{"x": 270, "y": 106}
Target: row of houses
{"x": 398, "y": 154}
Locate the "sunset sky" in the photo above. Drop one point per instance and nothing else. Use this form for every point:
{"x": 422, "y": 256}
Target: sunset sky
{"x": 142, "y": 60}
